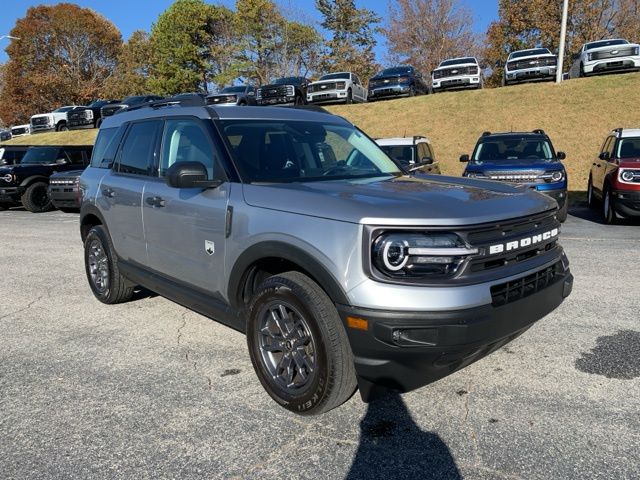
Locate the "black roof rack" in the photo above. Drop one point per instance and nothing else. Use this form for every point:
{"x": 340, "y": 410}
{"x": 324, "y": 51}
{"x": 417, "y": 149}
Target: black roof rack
{"x": 539, "y": 131}
{"x": 190, "y": 101}
{"x": 484, "y": 134}
{"x": 311, "y": 108}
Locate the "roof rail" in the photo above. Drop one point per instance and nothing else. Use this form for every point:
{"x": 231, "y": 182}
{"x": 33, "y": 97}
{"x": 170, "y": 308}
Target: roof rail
{"x": 539, "y": 131}
{"x": 311, "y": 108}
{"x": 484, "y": 134}
{"x": 618, "y": 130}
{"x": 194, "y": 101}
{"x": 418, "y": 137}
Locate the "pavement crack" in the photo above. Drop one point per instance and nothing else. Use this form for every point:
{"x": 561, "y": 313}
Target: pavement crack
{"x": 187, "y": 355}
{"x": 27, "y": 307}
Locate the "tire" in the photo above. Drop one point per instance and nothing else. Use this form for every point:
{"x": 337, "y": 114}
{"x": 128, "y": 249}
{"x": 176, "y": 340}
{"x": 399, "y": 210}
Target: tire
{"x": 504, "y": 82}
{"x": 299, "y": 100}
{"x": 242, "y": 104}
{"x": 591, "y": 201}
{"x": 62, "y": 127}
{"x": 101, "y": 267}
{"x": 349, "y": 97}
{"x": 563, "y": 213}
{"x": 608, "y": 213}
{"x": 98, "y": 123}
{"x": 315, "y": 335}
{"x": 412, "y": 91}
{"x": 36, "y": 199}
{"x": 581, "y": 73}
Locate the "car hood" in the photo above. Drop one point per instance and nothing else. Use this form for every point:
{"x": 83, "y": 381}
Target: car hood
{"x": 41, "y": 115}
{"x": 408, "y": 200}
{"x": 320, "y": 82}
{"x": 457, "y": 65}
{"x": 391, "y": 77}
{"x": 68, "y": 173}
{"x": 532, "y": 57}
{"x": 630, "y": 163}
{"x": 527, "y": 164}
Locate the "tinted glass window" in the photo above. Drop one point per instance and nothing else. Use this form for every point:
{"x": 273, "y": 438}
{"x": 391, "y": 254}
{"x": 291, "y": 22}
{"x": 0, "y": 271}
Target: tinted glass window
{"x": 44, "y": 155}
{"x": 458, "y": 61}
{"x": 63, "y": 109}
{"x": 139, "y": 147}
{"x": 513, "y": 149}
{"x": 335, "y": 76}
{"x": 186, "y": 141}
{"x": 604, "y": 43}
{"x": 281, "y": 151}
{"x": 629, "y": 148}
{"x": 288, "y": 81}
{"x": 400, "y": 153}
{"x": 76, "y": 157}
{"x": 239, "y": 89}
{"x": 99, "y": 158}
{"x": 527, "y": 53}
{"x": 396, "y": 71}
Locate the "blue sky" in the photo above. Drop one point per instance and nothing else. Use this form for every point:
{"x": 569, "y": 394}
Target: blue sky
{"x": 131, "y": 15}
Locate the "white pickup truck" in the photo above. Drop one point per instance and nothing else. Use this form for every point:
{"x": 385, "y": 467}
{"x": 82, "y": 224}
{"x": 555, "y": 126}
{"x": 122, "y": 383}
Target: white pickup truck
{"x": 54, "y": 121}
{"x": 337, "y": 87}
{"x": 608, "y": 55}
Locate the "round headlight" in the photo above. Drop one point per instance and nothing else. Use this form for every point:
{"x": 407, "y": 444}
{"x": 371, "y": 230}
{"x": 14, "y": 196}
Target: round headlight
{"x": 557, "y": 176}
{"x": 394, "y": 254}
{"x": 627, "y": 175}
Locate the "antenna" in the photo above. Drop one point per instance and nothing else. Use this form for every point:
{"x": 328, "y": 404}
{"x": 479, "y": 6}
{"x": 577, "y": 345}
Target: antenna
{"x": 404, "y": 135}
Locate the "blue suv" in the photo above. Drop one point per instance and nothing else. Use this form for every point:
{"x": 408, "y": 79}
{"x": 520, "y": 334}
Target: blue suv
{"x": 526, "y": 158}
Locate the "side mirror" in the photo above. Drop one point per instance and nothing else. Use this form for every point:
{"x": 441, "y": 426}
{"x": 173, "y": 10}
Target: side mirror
{"x": 426, "y": 161}
{"x": 561, "y": 155}
{"x": 604, "y": 156}
{"x": 464, "y": 158}
{"x": 190, "y": 175}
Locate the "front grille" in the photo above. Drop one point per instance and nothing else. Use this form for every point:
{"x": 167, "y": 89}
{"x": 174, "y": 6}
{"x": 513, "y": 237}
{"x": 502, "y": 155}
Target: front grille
{"x": 520, "y": 288}
{"x": 619, "y": 52}
{"x": 455, "y": 81}
{"x": 218, "y": 99}
{"x": 532, "y": 63}
{"x": 450, "y": 72}
{"x": 39, "y": 121}
{"x": 277, "y": 91}
{"x": 18, "y": 131}
{"x": 322, "y": 87}
{"x": 516, "y": 176}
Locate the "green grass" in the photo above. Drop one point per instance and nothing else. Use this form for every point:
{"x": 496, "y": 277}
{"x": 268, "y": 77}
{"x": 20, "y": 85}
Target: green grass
{"x": 75, "y": 137}
{"x": 576, "y": 114}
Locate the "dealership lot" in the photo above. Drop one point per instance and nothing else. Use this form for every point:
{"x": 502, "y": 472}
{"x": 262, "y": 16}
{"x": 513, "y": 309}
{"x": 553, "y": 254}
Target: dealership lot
{"x": 149, "y": 389}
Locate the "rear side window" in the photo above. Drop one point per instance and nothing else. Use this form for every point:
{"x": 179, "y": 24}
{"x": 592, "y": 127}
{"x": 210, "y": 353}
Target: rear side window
{"x": 76, "y": 157}
{"x": 138, "y": 151}
{"x": 106, "y": 146}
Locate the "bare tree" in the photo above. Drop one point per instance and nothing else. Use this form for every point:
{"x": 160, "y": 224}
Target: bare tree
{"x": 425, "y": 32}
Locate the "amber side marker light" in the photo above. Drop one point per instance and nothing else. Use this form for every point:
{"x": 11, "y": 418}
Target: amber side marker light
{"x": 358, "y": 323}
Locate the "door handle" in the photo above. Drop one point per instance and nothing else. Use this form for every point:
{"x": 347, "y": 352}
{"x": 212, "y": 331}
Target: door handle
{"x": 155, "y": 201}
{"x": 108, "y": 192}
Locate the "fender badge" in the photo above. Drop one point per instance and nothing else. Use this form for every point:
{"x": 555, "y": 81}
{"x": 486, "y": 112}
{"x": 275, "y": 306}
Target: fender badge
{"x": 209, "y": 247}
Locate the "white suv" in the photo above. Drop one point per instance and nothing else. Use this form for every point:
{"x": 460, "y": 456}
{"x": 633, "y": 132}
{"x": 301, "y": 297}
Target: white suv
{"x": 413, "y": 153}
{"x": 608, "y": 55}
{"x": 457, "y": 73}
{"x": 54, "y": 121}
{"x": 530, "y": 65}
{"x": 337, "y": 87}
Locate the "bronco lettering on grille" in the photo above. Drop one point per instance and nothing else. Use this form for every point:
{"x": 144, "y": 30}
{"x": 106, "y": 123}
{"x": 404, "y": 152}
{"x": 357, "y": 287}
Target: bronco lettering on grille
{"x": 523, "y": 242}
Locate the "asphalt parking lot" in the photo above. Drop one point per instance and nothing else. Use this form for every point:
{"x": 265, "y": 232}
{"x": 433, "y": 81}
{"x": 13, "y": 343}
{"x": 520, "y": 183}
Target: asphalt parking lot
{"x": 149, "y": 389}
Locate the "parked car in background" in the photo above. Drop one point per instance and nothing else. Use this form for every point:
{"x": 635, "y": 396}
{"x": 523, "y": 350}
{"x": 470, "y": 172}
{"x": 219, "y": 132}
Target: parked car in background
{"x": 132, "y": 101}
{"x": 64, "y": 190}
{"x": 337, "y": 87}
{"x": 5, "y": 135}
{"x": 534, "y": 64}
{"x": 54, "y": 121}
{"x": 608, "y": 55}
{"x": 614, "y": 179}
{"x": 284, "y": 91}
{"x": 412, "y": 153}
{"x": 457, "y": 73}
{"x": 12, "y": 154}
{"x": 401, "y": 81}
{"x": 525, "y": 158}
{"x": 89, "y": 116}
{"x": 241, "y": 95}
{"x": 28, "y": 181}
{"x": 21, "y": 130}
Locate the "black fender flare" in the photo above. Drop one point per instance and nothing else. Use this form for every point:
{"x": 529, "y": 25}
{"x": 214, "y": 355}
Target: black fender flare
{"x": 275, "y": 249}
{"x": 88, "y": 210}
{"x": 34, "y": 178}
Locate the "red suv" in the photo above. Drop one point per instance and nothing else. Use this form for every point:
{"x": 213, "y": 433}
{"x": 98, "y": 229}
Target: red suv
{"x": 614, "y": 179}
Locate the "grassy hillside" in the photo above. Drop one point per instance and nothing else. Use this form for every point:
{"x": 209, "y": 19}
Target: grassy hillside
{"x": 576, "y": 114}
{"x": 76, "y": 137}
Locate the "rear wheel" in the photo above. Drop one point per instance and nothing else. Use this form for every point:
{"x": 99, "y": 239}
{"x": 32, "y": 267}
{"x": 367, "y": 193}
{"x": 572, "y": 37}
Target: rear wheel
{"x": 298, "y": 345}
{"x": 101, "y": 266}
{"x": 36, "y": 198}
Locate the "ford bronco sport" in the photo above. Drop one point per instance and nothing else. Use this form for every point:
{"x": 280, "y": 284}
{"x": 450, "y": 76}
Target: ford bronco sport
{"x": 614, "y": 179}
{"x": 292, "y": 226}
{"x": 525, "y": 158}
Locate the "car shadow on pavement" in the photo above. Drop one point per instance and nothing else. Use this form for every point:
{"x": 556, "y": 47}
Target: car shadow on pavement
{"x": 393, "y": 446}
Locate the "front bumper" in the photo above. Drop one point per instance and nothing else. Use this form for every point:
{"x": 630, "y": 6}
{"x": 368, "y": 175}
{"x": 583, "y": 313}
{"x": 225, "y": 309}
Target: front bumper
{"x": 42, "y": 128}
{"x": 10, "y": 194}
{"x": 326, "y": 97}
{"x": 530, "y": 74}
{"x": 558, "y": 194}
{"x": 64, "y": 196}
{"x": 78, "y": 124}
{"x": 627, "y": 202}
{"x": 285, "y": 100}
{"x": 389, "y": 91}
{"x": 462, "y": 81}
{"x": 611, "y": 64}
{"x": 407, "y": 350}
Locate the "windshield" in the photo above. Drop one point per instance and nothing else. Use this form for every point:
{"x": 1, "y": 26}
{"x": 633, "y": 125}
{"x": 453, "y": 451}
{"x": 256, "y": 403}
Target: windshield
{"x": 133, "y": 100}
{"x": 295, "y": 151}
{"x": 287, "y": 81}
{"x": 528, "y": 53}
{"x": 458, "y": 61}
{"x": 44, "y": 155}
{"x": 239, "y": 89}
{"x": 629, "y": 148}
{"x": 402, "y": 154}
{"x": 396, "y": 71}
{"x": 63, "y": 109}
{"x": 604, "y": 43}
{"x": 97, "y": 104}
{"x": 335, "y": 76}
{"x": 513, "y": 149}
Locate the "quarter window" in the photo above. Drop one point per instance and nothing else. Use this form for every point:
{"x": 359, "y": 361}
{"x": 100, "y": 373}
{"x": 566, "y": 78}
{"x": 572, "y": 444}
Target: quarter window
{"x": 138, "y": 151}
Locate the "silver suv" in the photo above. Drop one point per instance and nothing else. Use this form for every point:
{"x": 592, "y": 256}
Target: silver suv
{"x": 293, "y": 226}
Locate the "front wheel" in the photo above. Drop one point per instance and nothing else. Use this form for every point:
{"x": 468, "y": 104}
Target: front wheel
{"x": 36, "y": 198}
{"x": 563, "y": 213}
{"x": 349, "y": 97}
{"x": 591, "y": 201}
{"x": 581, "y": 73}
{"x": 101, "y": 266}
{"x": 298, "y": 345}
{"x": 299, "y": 100}
{"x": 608, "y": 213}
{"x": 62, "y": 127}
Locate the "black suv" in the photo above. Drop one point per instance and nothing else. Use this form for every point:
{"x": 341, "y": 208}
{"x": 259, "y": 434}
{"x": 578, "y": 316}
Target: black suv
{"x": 28, "y": 181}
{"x": 89, "y": 116}
{"x": 241, "y": 95}
{"x": 12, "y": 154}
{"x": 284, "y": 91}
{"x": 402, "y": 81}
{"x": 128, "y": 102}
